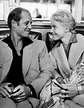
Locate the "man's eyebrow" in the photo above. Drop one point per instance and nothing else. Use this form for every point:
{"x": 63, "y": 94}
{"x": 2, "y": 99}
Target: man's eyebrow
{"x": 28, "y": 22}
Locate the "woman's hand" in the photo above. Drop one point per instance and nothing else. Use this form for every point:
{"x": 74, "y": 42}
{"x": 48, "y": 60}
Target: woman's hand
{"x": 70, "y": 90}
{"x": 20, "y": 93}
{"x": 60, "y": 80}
{"x": 55, "y": 89}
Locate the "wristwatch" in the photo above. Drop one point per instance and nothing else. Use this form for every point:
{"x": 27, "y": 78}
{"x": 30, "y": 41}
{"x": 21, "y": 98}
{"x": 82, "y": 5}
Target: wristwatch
{"x": 79, "y": 87}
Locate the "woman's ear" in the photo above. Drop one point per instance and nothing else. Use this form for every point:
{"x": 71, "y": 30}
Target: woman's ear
{"x": 67, "y": 30}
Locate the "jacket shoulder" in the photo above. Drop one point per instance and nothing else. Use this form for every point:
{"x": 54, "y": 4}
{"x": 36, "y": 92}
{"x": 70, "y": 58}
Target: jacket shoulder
{"x": 5, "y": 49}
{"x": 39, "y": 42}
{"x": 3, "y": 44}
{"x": 80, "y": 37}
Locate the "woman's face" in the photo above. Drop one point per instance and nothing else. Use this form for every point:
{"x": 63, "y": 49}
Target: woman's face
{"x": 58, "y": 30}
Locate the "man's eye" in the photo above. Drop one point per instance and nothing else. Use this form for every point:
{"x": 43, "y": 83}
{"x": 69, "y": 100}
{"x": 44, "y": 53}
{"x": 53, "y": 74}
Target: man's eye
{"x": 26, "y": 23}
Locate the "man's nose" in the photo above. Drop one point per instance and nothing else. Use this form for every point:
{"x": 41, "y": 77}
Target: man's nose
{"x": 51, "y": 30}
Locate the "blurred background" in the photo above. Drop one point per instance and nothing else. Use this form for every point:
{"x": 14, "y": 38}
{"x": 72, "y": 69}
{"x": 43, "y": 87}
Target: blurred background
{"x": 41, "y": 11}
{"x": 45, "y": 7}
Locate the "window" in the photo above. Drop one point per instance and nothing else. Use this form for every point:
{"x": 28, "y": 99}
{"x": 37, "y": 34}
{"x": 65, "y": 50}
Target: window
{"x": 1, "y": 11}
{"x": 45, "y": 7}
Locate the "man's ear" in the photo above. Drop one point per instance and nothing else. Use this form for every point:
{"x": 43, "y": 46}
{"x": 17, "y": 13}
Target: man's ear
{"x": 14, "y": 23}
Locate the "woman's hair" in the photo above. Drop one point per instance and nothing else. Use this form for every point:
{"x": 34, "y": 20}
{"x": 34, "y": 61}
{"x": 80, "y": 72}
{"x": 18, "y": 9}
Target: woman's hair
{"x": 15, "y": 15}
{"x": 65, "y": 18}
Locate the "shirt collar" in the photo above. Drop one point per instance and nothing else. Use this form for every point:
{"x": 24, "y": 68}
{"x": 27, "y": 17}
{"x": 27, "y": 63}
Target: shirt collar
{"x": 26, "y": 41}
{"x": 73, "y": 38}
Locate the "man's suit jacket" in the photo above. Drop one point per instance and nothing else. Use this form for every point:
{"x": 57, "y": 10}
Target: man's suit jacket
{"x": 76, "y": 52}
{"x": 37, "y": 68}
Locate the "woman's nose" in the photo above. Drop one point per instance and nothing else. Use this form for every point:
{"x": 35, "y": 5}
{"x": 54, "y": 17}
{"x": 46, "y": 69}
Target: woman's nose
{"x": 29, "y": 25}
{"x": 51, "y": 30}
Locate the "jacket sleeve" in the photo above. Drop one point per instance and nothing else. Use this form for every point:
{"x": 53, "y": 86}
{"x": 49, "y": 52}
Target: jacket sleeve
{"x": 5, "y": 60}
{"x": 46, "y": 70}
{"x": 1, "y": 63}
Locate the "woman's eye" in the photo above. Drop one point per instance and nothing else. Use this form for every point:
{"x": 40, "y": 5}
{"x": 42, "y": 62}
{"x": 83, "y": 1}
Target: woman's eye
{"x": 54, "y": 27}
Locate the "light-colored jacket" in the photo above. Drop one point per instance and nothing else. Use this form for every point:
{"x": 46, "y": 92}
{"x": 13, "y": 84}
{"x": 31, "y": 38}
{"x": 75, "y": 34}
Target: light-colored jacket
{"x": 66, "y": 66}
{"x": 76, "y": 52}
{"x": 36, "y": 65}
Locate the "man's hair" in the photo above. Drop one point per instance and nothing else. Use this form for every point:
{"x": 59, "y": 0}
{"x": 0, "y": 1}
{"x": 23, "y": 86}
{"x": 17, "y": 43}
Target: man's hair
{"x": 15, "y": 15}
{"x": 65, "y": 18}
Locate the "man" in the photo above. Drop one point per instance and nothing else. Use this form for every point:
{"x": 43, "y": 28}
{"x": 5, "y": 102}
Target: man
{"x": 24, "y": 64}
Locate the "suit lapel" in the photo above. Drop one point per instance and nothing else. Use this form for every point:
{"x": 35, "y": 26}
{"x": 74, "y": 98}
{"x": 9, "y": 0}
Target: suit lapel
{"x": 27, "y": 55}
{"x": 75, "y": 53}
{"x": 61, "y": 58}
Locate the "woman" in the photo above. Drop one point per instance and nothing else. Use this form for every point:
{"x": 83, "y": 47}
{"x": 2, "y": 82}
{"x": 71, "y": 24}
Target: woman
{"x": 66, "y": 56}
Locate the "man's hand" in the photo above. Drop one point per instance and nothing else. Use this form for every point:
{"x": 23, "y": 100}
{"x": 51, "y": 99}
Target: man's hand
{"x": 20, "y": 93}
{"x": 6, "y": 89}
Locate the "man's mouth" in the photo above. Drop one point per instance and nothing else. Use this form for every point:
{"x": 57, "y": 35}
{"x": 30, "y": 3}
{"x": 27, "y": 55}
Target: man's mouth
{"x": 28, "y": 30}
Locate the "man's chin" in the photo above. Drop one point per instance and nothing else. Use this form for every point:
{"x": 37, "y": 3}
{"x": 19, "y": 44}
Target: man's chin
{"x": 56, "y": 38}
{"x": 26, "y": 34}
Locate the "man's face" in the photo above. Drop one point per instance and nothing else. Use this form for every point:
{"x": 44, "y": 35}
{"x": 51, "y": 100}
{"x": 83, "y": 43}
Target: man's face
{"x": 58, "y": 30}
{"x": 24, "y": 25}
